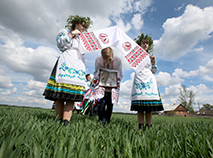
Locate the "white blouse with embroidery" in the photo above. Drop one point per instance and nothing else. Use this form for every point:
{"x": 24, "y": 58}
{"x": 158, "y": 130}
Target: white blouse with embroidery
{"x": 71, "y": 63}
{"x": 144, "y": 84}
{"x": 116, "y": 64}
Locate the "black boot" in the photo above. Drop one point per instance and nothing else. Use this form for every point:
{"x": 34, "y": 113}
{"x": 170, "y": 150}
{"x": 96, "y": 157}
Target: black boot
{"x": 60, "y": 120}
{"x": 65, "y": 122}
{"x": 148, "y": 126}
{"x": 140, "y": 126}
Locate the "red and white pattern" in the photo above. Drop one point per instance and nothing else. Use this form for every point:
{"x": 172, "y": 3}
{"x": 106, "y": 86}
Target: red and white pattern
{"x": 115, "y": 96}
{"x": 118, "y": 83}
{"x": 108, "y": 66}
{"x": 114, "y": 36}
{"x": 126, "y": 46}
{"x": 91, "y": 43}
{"x": 97, "y": 93}
{"x": 78, "y": 106}
{"x": 104, "y": 38}
{"x": 135, "y": 56}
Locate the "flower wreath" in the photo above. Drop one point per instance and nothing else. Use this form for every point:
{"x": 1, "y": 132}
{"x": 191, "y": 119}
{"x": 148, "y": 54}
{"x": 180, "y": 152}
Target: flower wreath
{"x": 78, "y": 19}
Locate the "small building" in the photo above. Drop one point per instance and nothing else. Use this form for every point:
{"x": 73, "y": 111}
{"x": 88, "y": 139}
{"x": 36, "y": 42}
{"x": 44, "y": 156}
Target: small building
{"x": 205, "y": 112}
{"x": 176, "y": 110}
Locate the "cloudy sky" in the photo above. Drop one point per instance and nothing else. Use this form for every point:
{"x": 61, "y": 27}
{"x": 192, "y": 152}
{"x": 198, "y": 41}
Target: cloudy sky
{"x": 182, "y": 33}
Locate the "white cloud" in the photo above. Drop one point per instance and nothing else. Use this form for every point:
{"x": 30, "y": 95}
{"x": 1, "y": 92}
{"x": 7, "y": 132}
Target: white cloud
{"x": 142, "y": 5}
{"x": 208, "y": 78}
{"x": 203, "y": 94}
{"x": 124, "y": 96}
{"x": 35, "y": 85}
{"x": 99, "y": 24}
{"x": 34, "y": 88}
{"x": 172, "y": 90}
{"x": 18, "y": 58}
{"x": 165, "y": 79}
{"x": 200, "y": 89}
{"x": 122, "y": 26}
{"x": 42, "y": 22}
{"x": 179, "y": 8}
{"x": 30, "y": 93}
{"x": 181, "y": 34}
{"x": 123, "y": 107}
{"x": 126, "y": 89}
{"x": 5, "y": 82}
{"x": 171, "y": 94}
{"x": 204, "y": 71}
{"x": 180, "y": 73}
{"x": 137, "y": 21}
{"x": 33, "y": 102}
{"x": 198, "y": 49}
{"x": 10, "y": 91}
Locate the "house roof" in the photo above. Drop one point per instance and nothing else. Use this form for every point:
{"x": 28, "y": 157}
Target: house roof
{"x": 171, "y": 107}
{"x": 205, "y": 112}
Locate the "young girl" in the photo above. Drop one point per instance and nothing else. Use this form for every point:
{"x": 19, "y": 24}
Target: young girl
{"x": 145, "y": 96}
{"x": 107, "y": 61}
{"x": 67, "y": 81}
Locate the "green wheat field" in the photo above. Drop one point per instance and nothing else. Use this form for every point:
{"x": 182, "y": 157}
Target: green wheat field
{"x": 34, "y": 132}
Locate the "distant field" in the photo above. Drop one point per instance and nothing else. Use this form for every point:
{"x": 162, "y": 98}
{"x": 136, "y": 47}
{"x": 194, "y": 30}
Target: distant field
{"x": 34, "y": 132}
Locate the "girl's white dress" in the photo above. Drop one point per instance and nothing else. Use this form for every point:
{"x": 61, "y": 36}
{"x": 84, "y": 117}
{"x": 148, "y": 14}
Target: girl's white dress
{"x": 67, "y": 80}
{"x": 145, "y": 95}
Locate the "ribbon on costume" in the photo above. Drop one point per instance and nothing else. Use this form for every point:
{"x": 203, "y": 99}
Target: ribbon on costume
{"x": 135, "y": 55}
{"x": 86, "y": 94}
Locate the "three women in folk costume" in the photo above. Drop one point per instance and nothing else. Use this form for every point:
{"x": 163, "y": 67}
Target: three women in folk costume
{"x": 67, "y": 81}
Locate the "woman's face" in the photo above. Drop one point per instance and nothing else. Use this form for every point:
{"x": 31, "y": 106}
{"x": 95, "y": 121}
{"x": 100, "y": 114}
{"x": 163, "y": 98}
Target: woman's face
{"x": 81, "y": 27}
{"x": 145, "y": 44}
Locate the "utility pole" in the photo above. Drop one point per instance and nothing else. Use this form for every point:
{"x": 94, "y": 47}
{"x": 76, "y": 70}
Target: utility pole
{"x": 198, "y": 105}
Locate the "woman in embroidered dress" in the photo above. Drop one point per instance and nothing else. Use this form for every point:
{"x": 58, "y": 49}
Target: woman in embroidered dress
{"x": 145, "y": 97}
{"x": 67, "y": 81}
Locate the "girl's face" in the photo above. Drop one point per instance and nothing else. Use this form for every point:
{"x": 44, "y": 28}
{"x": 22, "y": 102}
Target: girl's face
{"x": 81, "y": 27}
{"x": 107, "y": 57}
{"x": 145, "y": 44}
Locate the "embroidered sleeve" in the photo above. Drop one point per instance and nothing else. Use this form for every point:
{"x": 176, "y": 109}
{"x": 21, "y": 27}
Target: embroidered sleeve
{"x": 118, "y": 83}
{"x": 120, "y": 69}
{"x": 64, "y": 41}
{"x": 154, "y": 69}
{"x": 120, "y": 73}
{"x": 96, "y": 73}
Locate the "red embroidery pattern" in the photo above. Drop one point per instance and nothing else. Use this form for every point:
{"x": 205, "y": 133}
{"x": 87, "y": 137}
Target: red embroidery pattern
{"x": 108, "y": 66}
{"x": 115, "y": 96}
{"x": 136, "y": 55}
{"x": 91, "y": 43}
{"x": 95, "y": 82}
{"x": 104, "y": 38}
{"x": 96, "y": 92}
{"x": 126, "y": 46}
{"x": 118, "y": 83}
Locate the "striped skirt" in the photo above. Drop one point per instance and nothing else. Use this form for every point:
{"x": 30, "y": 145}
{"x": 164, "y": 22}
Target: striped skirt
{"x": 55, "y": 91}
{"x": 146, "y": 105}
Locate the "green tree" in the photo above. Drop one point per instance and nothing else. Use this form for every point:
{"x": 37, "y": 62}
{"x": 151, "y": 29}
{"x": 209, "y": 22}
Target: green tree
{"x": 186, "y": 98}
{"x": 207, "y": 106}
